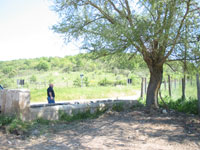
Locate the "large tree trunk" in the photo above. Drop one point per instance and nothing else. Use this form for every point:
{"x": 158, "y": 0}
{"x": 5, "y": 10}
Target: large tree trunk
{"x": 156, "y": 73}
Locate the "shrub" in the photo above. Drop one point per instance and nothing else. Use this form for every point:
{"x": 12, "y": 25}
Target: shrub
{"x": 120, "y": 82}
{"x": 86, "y": 82}
{"x": 43, "y": 65}
{"x": 118, "y": 107}
{"x": 33, "y": 78}
{"x": 188, "y": 106}
{"x": 5, "y": 120}
{"x": 77, "y": 82}
{"x": 105, "y": 82}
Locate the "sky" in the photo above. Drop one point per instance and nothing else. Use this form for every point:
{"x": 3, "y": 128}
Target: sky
{"x": 25, "y": 31}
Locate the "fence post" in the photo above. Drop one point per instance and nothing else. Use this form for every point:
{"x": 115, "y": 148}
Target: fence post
{"x": 183, "y": 87}
{"x": 142, "y": 88}
{"x": 198, "y": 93}
{"x": 169, "y": 84}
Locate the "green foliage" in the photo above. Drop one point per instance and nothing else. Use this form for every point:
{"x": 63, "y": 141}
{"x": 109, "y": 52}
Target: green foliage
{"x": 43, "y": 65}
{"x": 120, "y": 82}
{"x": 42, "y": 121}
{"x": 105, "y": 82}
{"x": 18, "y": 125}
{"x": 33, "y": 78}
{"x": 7, "y": 70}
{"x": 51, "y": 80}
{"x": 14, "y": 124}
{"x": 71, "y": 93}
{"x": 77, "y": 82}
{"x": 86, "y": 81}
{"x": 188, "y": 106}
{"x": 80, "y": 115}
{"x": 5, "y": 120}
{"x": 118, "y": 107}
{"x": 12, "y": 74}
{"x": 6, "y": 82}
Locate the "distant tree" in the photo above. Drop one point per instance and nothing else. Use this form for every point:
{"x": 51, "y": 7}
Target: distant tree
{"x": 43, "y": 65}
{"x": 33, "y": 78}
{"x": 152, "y": 28}
{"x": 7, "y": 70}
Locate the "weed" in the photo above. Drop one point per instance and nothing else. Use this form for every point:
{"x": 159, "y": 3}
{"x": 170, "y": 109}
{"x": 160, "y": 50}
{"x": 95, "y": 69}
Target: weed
{"x": 118, "y": 107}
{"x": 63, "y": 116}
{"x": 5, "y": 120}
{"x": 188, "y": 105}
{"x": 42, "y": 121}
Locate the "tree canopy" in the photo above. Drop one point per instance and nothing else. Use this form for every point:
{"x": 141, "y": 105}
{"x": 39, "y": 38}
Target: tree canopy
{"x": 157, "y": 29}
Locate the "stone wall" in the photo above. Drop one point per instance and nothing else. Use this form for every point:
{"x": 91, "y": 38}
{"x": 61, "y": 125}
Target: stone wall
{"x": 17, "y": 102}
{"x": 14, "y": 101}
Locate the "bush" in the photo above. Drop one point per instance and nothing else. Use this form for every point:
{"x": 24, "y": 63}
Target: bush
{"x": 118, "y": 107}
{"x": 5, "y": 120}
{"x": 77, "y": 82}
{"x": 187, "y": 106}
{"x": 6, "y": 83}
{"x": 105, "y": 82}
{"x": 86, "y": 82}
{"x": 120, "y": 82}
{"x": 43, "y": 65}
{"x": 33, "y": 78}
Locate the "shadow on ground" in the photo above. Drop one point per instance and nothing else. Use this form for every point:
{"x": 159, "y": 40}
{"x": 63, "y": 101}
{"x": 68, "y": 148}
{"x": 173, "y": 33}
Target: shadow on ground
{"x": 119, "y": 130}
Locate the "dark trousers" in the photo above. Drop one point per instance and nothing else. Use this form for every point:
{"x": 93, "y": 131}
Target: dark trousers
{"x": 50, "y": 101}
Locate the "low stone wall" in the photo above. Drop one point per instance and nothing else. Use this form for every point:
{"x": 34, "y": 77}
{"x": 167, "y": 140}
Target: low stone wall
{"x": 14, "y": 101}
{"x": 17, "y": 102}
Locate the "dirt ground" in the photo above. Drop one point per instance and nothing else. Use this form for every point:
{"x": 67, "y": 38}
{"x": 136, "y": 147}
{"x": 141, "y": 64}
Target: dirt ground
{"x": 131, "y": 130}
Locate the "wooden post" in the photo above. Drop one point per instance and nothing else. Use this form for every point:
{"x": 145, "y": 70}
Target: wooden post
{"x": 169, "y": 85}
{"x": 198, "y": 93}
{"x": 145, "y": 85}
{"x": 183, "y": 87}
{"x": 142, "y": 88}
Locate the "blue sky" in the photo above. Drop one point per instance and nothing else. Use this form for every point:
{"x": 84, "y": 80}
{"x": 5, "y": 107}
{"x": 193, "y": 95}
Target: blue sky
{"x": 25, "y": 31}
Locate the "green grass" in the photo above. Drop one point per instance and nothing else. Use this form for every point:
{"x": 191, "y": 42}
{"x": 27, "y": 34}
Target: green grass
{"x": 190, "y": 91}
{"x": 80, "y": 115}
{"x": 67, "y": 93}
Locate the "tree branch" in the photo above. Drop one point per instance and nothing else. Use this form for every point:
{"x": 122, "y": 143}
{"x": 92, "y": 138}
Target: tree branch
{"x": 178, "y": 33}
{"x": 108, "y": 17}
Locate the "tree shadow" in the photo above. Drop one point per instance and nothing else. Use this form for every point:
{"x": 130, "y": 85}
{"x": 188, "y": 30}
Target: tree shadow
{"x": 121, "y": 130}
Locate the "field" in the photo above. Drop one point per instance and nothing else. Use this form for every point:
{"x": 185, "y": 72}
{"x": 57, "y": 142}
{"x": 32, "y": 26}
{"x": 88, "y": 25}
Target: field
{"x": 74, "y": 93}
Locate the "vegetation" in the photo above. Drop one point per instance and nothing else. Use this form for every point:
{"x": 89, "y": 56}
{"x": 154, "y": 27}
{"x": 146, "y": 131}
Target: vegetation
{"x": 150, "y": 28}
{"x": 80, "y": 115}
{"x": 118, "y": 107}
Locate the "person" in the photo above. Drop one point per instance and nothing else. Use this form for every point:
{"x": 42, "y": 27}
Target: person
{"x": 50, "y": 94}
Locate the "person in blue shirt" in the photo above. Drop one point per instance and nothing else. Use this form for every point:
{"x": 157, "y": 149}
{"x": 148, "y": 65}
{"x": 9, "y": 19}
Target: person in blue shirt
{"x": 50, "y": 94}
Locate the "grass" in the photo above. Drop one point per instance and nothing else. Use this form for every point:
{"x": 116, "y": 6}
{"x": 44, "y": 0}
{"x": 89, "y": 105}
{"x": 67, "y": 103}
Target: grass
{"x": 189, "y": 105}
{"x": 80, "y": 115}
{"x": 190, "y": 91}
{"x": 67, "y": 93}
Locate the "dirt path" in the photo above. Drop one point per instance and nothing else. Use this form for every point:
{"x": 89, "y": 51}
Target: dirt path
{"x": 133, "y": 130}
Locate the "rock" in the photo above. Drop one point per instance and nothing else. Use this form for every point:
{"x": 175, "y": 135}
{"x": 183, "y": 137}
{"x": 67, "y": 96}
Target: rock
{"x": 36, "y": 132}
{"x": 164, "y": 111}
{"x": 9, "y": 142}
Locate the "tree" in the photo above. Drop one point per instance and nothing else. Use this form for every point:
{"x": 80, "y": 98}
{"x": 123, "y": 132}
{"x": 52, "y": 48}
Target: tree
{"x": 43, "y": 65}
{"x": 152, "y": 28}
